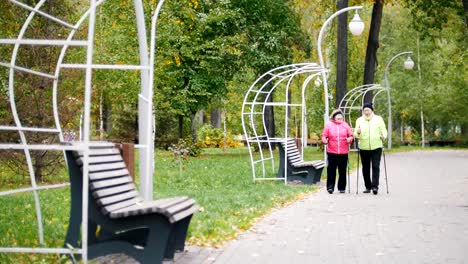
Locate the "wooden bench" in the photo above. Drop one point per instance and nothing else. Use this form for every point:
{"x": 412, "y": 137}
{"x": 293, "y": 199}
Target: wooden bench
{"x": 307, "y": 172}
{"x": 119, "y": 221}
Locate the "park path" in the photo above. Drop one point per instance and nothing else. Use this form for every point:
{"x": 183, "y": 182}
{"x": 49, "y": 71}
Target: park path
{"x": 424, "y": 219}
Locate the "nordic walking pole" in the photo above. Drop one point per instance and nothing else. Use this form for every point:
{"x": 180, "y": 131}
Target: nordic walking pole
{"x": 357, "y": 171}
{"x": 358, "y": 154}
{"x": 348, "y": 167}
{"x": 349, "y": 183}
{"x": 385, "y": 166}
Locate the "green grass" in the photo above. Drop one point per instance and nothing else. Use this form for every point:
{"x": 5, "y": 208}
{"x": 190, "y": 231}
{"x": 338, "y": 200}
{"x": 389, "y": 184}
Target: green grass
{"x": 221, "y": 183}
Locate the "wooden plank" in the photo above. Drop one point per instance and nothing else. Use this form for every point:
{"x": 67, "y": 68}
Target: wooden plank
{"x": 101, "y": 151}
{"x": 100, "y": 159}
{"x": 107, "y": 174}
{"x": 120, "y": 205}
{"x": 117, "y": 198}
{"x": 183, "y": 214}
{"x": 112, "y": 191}
{"x": 179, "y": 207}
{"x": 109, "y": 183}
{"x": 107, "y": 166}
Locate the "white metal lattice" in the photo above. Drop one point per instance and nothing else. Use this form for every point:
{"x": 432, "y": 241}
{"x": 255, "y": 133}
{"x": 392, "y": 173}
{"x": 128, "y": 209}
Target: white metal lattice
{"x": 256, "y": 100}
{"x": 352, "y": 102}
{"x": 145, "y": 112}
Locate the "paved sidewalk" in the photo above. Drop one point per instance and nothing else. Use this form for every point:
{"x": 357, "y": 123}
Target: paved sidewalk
{"x": 424, "y": 219}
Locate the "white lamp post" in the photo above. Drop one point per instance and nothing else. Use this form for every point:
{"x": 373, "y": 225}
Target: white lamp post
{"x": 409, "y": 64}
{"x": 356, "y": 26}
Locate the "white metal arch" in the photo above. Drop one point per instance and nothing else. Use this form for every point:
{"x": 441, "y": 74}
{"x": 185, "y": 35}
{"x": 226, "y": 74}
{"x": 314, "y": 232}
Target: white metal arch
{"x": 258, "y": 95}
{"x": 146, "y": 119}
{"x": 354, "y": 99}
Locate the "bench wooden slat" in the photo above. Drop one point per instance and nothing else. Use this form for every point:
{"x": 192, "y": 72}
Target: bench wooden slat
{"x": 293, "y": 153}
{"x": 110, "y": 182}
{"x": 134, "y": 210}
{"x": 295, "y": 156}
{"x": 120, "y": 205}
{"x": 106, "y": 166}
{"x": 157, "y": 206}
{"x": 307, "y": 164}
{"x": 179, "y": 207}
{"x": 100, "y": 152}
{"x": 108, "y": 174}
{"x": 117, "y": 198}
{"x": 294, "y": 161}
{"x": 166, "y": 203}
{"x": 100, "y": 159}
{"x": 292, "y": 150}
{"x": 112, "y": 191}
{"x": 183, "y": 214}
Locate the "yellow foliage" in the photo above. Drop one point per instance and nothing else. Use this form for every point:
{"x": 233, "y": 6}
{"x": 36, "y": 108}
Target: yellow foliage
{"x": 177, "y": 60}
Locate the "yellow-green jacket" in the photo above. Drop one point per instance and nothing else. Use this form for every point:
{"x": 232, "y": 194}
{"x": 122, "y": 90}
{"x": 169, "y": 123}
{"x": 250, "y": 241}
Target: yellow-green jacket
{"x": 371, "y": 131}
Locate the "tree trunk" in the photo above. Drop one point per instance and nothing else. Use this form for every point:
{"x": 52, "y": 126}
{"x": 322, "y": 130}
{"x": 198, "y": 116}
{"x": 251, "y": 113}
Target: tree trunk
{"x": 39, "y": 162}
{"x": 107, "y": 117}
{"x": 216, "y": 118}
{"x": 342, "y": 55}
{"x": 372, "y": 46}
{"x": 181, "y": 127}
{"x": 269, "y": 119}
{"x": 465, "y": 8}
{"x": 464, "y": 132}
{"x": 193, "y": 125}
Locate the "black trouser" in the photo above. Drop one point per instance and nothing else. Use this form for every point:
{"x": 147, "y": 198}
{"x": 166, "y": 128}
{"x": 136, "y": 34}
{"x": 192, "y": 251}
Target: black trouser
{"x": 369, "y": 157}
{"x": 334, "y": 161}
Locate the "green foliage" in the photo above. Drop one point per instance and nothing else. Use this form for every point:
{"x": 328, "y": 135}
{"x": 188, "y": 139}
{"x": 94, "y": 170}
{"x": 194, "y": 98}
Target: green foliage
{"x": 206, "y": 48}
{"x": 184, "y": 149}
{"x": 432, "y": 17}
{"x": 440, "y": 92}
{"x": 210, "y": 137}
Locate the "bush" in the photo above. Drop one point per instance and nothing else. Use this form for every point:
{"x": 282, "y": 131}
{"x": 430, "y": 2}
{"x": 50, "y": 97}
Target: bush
{"x": 210, "y": 137}
{"x": 185, "y": 148}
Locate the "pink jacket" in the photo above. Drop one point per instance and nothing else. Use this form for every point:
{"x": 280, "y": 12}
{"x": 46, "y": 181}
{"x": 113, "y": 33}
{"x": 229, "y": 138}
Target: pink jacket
{"x": 336, "y": 133}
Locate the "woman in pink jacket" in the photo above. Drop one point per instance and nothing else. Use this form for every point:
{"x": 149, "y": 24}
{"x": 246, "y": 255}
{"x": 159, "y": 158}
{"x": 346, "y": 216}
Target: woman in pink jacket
{"x": 337, "y": 135}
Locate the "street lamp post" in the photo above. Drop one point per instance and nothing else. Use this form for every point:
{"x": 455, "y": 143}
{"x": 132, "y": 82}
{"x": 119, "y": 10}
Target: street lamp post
{"x": 409, "y": 64}
{"x": 356, "y": 26}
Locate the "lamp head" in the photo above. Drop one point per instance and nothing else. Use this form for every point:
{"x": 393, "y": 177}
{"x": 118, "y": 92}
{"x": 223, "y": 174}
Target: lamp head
{"x": 356, "y": 26}
{"x": 409, "y": 63}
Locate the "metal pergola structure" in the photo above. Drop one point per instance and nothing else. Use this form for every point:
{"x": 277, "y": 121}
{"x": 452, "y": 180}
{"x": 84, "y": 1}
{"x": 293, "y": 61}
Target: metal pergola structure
{"x": 256, "y": 101}
{"x": 145, "y": 104}
{"x": 352, "y": 102}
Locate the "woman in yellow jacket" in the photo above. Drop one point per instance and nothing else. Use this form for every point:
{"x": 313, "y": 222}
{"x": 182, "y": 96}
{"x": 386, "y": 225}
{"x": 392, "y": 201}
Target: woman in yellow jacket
{"x": 371, "y": 131}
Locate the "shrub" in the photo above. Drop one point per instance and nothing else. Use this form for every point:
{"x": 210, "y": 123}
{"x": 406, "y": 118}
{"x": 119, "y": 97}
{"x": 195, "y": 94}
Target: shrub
{"x": 210, "y": 137}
